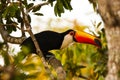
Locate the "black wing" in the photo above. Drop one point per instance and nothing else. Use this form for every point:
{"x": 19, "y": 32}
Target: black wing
{"x": 47, "y": 40}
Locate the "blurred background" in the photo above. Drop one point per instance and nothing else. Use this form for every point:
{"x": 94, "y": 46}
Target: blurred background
{"x": 80, "y": 61}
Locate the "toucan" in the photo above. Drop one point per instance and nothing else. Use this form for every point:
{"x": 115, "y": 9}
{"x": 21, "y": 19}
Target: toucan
{"x": 50, "y": 40}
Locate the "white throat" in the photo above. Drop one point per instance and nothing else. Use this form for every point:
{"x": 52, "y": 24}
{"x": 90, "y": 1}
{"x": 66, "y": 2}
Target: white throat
{"x": 68, "y": 39}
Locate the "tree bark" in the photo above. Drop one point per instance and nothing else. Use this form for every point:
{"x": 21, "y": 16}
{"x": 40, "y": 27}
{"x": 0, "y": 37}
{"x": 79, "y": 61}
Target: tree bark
{"x": 112, "y": 35}
{"x": 110, "y": 13}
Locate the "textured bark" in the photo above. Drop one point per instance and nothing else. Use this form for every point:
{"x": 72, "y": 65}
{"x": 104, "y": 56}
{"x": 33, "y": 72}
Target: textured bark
{"x": 113, "y": 38}
{"x": 56, "y": 64}
{"x": 110, "y": 13}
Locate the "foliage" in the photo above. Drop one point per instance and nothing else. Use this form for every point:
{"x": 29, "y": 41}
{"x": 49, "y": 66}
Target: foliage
{"x": 60, "y": 5}
{"x": 83, "y": 61}
{"x": 79, "y": 60}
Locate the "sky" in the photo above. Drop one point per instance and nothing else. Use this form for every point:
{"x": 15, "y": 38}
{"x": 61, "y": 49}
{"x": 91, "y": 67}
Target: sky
{"x": 82, "y": 11}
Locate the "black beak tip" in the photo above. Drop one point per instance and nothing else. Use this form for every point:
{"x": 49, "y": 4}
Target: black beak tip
{"x": 97, "y": 41}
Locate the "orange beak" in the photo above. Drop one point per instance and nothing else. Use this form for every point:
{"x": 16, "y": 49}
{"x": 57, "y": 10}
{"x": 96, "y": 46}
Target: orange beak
{"x": 83, "y": 37}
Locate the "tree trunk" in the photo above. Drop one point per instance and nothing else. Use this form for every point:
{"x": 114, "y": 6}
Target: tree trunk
{"x": 110, "y": 13}
{"x": 113, "y": 39}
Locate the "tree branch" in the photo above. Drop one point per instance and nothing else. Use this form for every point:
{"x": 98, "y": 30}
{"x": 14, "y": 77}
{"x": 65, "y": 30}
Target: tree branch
{"x": 12, "y": 24}
{"x": 7, "y": 38}
{"x": 28, "y": 28}
{"x": 56, "y": 64}
{"x": 38, "y": 5}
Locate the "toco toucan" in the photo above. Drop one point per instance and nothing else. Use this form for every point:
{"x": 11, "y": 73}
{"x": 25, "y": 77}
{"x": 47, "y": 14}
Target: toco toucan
{"x": 50, "y": 40}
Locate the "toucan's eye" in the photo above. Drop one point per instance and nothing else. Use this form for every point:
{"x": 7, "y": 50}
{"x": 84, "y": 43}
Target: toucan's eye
{"x": 71, "y": 33}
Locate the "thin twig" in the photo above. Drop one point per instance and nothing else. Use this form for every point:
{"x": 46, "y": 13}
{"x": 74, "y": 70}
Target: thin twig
{"x": 41, "y": 4}
{"x": 8, "y": 38}
{"x": 22, "y": 29}
{"x": 12, "y": 24}
{"x": 56, "y": 64}
{"x": 16, "y": 27}
{"x": 28, "y": 28}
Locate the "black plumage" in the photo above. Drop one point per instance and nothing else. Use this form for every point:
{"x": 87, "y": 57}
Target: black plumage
{"x": 47, "y": 40}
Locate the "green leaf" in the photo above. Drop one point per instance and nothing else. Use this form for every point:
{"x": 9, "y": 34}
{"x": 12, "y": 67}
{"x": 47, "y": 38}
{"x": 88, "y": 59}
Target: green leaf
{"x": 29, "y": 18}
{"x": 66, "y": 4}
{"x": 58, "y": 9}
{"x": 13, "y": 10}
{"x": 38, "y": 14}
{"x": 99, "y": 24}
{"x": 51, "y": 2}
{"x": 18, "y": 16}
{"x": 10, "y": 10}
{"x": 29, "y": 66}
{"x": 36, "y": 8}
{"x": 5, "y": 13}
{"x": 101, "y": 78}
{"x": 19, "y": 57}
{"x": 25, "y": 2}
{"x": 61, "y": 5}
{"x": 10, "y": 28}
{"x": 6, "y": 57}
{"x": 30, "y": 5}
{"x": 55, "y": 10}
